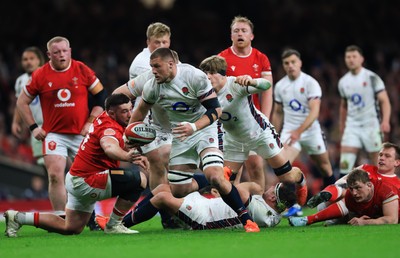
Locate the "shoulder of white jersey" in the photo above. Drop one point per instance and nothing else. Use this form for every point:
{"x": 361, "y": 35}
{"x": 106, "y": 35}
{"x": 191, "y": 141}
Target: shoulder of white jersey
{"x": 236, "y": 88}
{"x": 189, "y": 71}
{"x": 344, "y": 78}
{"x": 280, "y": 83}
{"x": 20, "y": 83}
{"x": 310, "y": 79}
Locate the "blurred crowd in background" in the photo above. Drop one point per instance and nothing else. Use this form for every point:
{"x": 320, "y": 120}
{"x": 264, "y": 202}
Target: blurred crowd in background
{"x": 107, "y": 35}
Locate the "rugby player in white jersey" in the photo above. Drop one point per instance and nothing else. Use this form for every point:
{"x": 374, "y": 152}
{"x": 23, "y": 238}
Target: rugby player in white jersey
{"x": 246, "y": 128}
{"x": 193, "y": 108}
{"x": 158, "y": 35}
{"x": 364, "y": 111}
{"x": 205, "y": 209}
{"x": 297, "y": 103}
{"x": 32, "y": 59}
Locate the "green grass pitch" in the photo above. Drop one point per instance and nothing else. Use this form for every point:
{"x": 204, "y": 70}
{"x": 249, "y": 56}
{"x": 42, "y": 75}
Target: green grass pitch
{"x": 152, "y": 241}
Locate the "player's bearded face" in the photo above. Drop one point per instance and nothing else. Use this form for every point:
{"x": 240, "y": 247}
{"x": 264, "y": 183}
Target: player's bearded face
{"x": 30, "y": 62}
{"x": 354, "y": 60}
{"x": 123, "y": 114}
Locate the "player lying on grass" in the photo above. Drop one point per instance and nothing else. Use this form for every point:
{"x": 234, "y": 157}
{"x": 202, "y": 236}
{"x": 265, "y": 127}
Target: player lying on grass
{"x": 388, "y": 161}
{"x": 206, "y": 209}
{"x": 95, "y": 175}
{"x": 367, "y": 201}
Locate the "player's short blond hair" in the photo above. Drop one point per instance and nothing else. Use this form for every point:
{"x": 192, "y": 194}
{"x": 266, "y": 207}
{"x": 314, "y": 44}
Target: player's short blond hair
{"x": 157, "y": 30}
{"x": 244, "y": 20}
{"x": 214, "y": 64}
{"x": 56, "y": 40}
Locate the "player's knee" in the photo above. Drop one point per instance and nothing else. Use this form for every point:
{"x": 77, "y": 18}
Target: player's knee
{"x": 55, "y": 179}
{"x": 162, "y": 198}
{"x": 254, "y": 164}
{"x": 127, "y": 184}
{"x": 74, "y": 230}
{"x": 143, "y": 180}
{"x": 214, "y": 177}
{"x": 347, "y": 161}
{"x": 161, "y": 188}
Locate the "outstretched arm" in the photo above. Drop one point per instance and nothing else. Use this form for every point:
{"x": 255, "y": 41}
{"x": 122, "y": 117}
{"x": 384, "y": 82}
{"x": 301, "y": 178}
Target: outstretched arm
{"x": 139, "y": 113}
{"x": 390, "y": 216}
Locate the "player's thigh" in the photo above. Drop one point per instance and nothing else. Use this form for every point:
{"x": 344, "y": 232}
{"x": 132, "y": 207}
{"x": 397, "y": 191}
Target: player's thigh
{"x": 254, "y": 163}
{"x": 278, "y": 160}
{"x": 159, "y": 158}
{"x": 82, "y": 196}
{"x": 285, "y": 137}
{"x": 314, "y": 143}
{"x": 268, "y": 146}
{"x": 351, "y": 138}
{"x": 291, "y": 152}
{"x": 55, "y": 166}
{"x": 181, "y": 190}
{"x": 372, "y": 139}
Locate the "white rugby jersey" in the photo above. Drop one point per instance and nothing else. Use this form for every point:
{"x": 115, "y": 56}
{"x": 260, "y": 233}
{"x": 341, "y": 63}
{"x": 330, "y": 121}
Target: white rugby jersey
{"x": 181, "y": 97}
{"x": 35, "y": 107}
{"x": 257, "y": 208}
{"x": 294, "y": 96}
{"x": 140, "y": 64}
{"x": 262, "y": 213}
{"x": 360, "y": 92}
{"x": 240, "y": 118}
{"x": 158, "y": 116}
{"x": 214, "y": 213}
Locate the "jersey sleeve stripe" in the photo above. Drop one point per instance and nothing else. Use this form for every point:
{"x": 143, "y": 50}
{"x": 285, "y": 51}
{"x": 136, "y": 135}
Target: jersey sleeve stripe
{"x": 94, "y": 84}
{"x": 390, "y": 199}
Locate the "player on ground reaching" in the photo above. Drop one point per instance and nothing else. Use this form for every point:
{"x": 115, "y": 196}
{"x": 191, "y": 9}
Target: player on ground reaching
{"x": 206, "y": 209}
{"x": 367, "y": 201}
{"x": 95, "y": 175}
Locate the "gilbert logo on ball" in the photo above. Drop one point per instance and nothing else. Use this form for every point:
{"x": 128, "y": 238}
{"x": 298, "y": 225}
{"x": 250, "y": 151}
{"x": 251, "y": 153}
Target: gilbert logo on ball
{"x": 139, "y": 132}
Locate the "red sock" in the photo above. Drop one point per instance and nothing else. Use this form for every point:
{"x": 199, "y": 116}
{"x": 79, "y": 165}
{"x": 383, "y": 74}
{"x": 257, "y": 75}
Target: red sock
{"x": 333, "y": 189}
{"x": 36, "y": 219}
{"x": 333, "y": 211}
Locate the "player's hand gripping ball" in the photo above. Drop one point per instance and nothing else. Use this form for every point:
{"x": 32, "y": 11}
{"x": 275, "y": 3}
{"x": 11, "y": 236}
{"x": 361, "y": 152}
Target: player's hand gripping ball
{"x": 139, "y": 133}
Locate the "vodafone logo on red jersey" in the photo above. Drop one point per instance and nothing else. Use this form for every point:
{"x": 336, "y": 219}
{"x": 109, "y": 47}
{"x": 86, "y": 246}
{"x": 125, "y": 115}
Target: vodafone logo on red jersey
{"x": 64, "y": 95}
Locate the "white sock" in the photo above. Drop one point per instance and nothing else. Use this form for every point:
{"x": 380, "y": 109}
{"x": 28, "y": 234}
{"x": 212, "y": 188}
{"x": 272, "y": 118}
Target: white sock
{"x": 25, "y": 218}
{"x": 116, "y": 217}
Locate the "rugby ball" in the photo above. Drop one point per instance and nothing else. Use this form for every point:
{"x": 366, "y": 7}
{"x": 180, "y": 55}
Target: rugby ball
{"x": 139, "y": 133}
